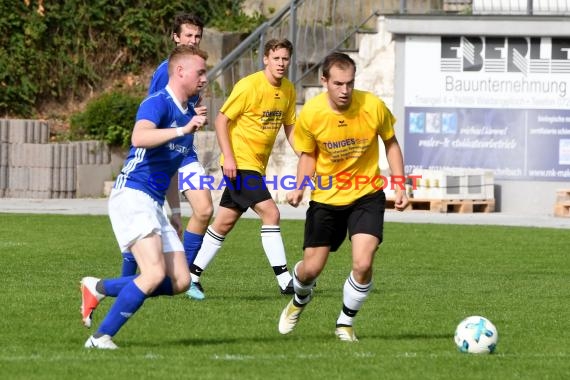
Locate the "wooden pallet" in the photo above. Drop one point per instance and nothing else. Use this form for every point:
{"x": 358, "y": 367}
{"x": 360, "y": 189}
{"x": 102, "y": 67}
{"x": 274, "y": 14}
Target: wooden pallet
{"x": 562, "y": 205}
{"x": 462, "y": 206}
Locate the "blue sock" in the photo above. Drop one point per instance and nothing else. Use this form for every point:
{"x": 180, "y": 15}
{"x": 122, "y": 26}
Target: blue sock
{"x": 192, "y": 244}
{"x": 113, "y": 286}
{"x": 164, "y": 289}
{"x": 130, "y": 299}
{"x": 129, "y": 265}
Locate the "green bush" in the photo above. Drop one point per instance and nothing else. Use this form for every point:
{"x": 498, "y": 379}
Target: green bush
{"x": 109, "y": 118}
{"x": 56, "y": 51}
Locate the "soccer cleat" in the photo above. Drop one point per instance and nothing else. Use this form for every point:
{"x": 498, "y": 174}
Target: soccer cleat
{"x": 104, "y": 343}
{"x": 289, "y": 317}
{"x": 346, "y": 333}
{"x": 289, "y": 290}
{"x": 195, "y": 291}
{"x": 90, "y": 298}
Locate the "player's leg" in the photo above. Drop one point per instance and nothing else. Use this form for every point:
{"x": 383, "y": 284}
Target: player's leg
{"x": 365, "y": 225}
{"x": 305, "y": 273}
{"x": 202, "y": 210}
{"x": 129, "y": 264}
{"x": 272, "y": 242}
{"x": 321, "y": 234}
{"x": 358, "y": 285}
{"x": 213, "y": 240}
{"x": 137, "y": 222}
{"x": 148, "y": 253}
{"x": 195, "y": 189}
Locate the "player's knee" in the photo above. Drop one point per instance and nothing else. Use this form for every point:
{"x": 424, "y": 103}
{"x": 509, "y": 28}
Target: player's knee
{"x": 181, "y": 283}
{"x": 152, "y": 279}
{"x": 310, "y": 272}
{"x": 203, "y": 213}
{"x": 362, "y": 272}
{"x": 271, "y": 216}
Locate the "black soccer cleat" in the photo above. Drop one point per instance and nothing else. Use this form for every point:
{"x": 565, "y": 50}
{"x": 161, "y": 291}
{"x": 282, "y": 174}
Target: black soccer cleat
{"x": 289, "y": 290}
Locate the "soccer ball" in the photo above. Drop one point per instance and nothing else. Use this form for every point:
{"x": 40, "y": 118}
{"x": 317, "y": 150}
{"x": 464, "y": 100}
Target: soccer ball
{"x": 476, "y": 335}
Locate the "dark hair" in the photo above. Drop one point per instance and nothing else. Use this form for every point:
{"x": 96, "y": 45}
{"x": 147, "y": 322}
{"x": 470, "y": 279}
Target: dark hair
{"x": 186, "y": 18}
{"x": 341, "y": 60}
{"x": 274, "y": 44}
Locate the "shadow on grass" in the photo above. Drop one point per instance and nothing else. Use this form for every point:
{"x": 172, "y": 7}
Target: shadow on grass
{"x": 306, "y": 339}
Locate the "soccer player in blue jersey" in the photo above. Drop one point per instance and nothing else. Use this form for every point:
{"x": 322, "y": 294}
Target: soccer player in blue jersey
{"x": 162, "y": 138}
{"x": 187, "y": 29}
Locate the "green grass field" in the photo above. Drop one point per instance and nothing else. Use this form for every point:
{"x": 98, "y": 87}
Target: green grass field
{"x": 427, "y": 278}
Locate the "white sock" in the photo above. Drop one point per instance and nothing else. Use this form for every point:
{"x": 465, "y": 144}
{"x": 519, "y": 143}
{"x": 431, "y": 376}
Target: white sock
{"x": 354, "y": 295}
{"x": 275, "y": 252}
{"x": 210, "y": 247}
{"x": 303, "y": 292}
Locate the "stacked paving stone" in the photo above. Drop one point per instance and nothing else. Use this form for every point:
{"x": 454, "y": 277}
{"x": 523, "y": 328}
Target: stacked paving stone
{"x": 31, "y": 167}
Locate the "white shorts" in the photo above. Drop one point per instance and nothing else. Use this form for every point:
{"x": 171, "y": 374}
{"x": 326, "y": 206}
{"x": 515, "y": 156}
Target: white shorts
{"x": 135, "y": 215}
{"x": 192, "y": 177}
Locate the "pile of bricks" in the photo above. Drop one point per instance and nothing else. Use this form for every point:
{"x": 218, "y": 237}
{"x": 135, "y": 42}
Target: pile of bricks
{"x": 32, "y": 167}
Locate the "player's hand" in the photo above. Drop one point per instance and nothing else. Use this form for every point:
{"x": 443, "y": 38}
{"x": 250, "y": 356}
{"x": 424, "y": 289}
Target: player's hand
{"x": 176, "y": 222}
{"x": 230, "y": 167}
{"x": 294, "y": 197}
{"x": 201, "y": 110}
{"x": 401, "y": 201}
{"x": 197, "y": 122}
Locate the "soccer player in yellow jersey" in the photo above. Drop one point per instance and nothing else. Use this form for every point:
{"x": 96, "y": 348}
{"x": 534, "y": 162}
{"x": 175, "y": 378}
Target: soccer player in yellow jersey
{"x": 337, "y": 135}
{"x": 246, "y": 128}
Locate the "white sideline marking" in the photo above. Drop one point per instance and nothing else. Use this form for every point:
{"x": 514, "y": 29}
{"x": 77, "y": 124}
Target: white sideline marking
{"x": 11, "y": 244}
{"x": 234, "y": 357}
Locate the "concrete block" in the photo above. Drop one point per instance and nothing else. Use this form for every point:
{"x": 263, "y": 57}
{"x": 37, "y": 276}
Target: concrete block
{"x": 28, "y": 131}
{"x": 18, "y": 178}
{"x": 4, "y": 153}
{"x": 4, "y": 130}
{"x": 3, "y": 178}
{"x": 91, "y": 152}
{"x": 40, "y": 179}
{"x": 31, "y": 155}
{"x": 55, "y": 174}
{"x": 70, "y": 184}
{"x": 62, "y": 186}
{"x": 91, "y": 178}
{"x": 118, "y": 156}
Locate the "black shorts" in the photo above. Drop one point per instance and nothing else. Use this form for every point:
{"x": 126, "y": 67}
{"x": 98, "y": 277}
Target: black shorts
{"x": 246, "y": 190}
{"x": 327, "y": 225}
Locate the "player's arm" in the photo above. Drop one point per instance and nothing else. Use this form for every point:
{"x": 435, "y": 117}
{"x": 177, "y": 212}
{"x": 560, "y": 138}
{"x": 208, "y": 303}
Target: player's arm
{"x": 223, "y": 135}
{"x": 147, "y": 135}
{"x": 289, "y": 133}
{"x": 305, "y": 171}
{"x": 173, "y": 198}
{"x": 396, "y": 163}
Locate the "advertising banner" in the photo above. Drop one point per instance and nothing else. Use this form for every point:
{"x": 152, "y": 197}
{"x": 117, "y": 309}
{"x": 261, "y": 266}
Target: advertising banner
{"x": 498, "y": 103}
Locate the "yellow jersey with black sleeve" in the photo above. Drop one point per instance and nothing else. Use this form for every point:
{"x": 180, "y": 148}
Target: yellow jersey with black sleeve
{"x": 346, "y": 144}
{"x": 257, "y": 110}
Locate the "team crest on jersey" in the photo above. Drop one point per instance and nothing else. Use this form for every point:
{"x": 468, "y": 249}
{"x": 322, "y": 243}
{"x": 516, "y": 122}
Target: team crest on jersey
{"x": 342, "y": 123}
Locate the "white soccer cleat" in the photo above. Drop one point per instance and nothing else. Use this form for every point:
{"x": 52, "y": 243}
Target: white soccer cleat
{"x": 90, "y": 298}
{"x": 289, "y": 317}
{"x": 104, "y": 343}
{"x": 346, "y": 334}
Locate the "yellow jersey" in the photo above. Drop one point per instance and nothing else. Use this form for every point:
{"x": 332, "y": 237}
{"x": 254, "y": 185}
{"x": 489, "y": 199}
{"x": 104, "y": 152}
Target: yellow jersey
{"x": 257, "y": 110}
{"x": 346, "y": 144}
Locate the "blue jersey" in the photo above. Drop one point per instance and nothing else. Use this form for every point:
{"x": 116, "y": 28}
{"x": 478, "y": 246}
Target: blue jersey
{"x": 150, "y": 170}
